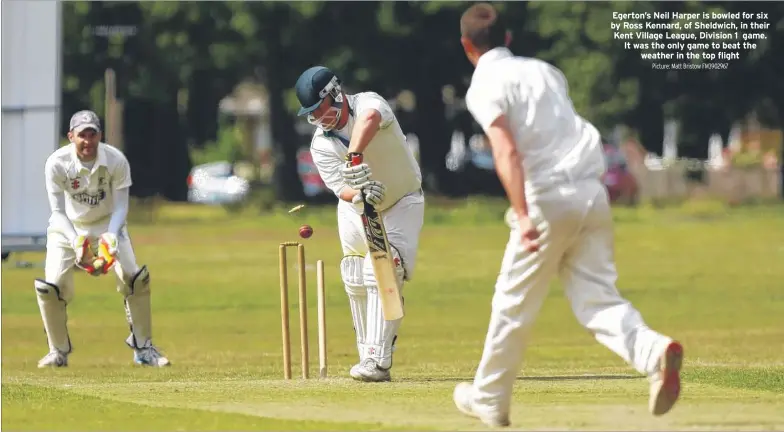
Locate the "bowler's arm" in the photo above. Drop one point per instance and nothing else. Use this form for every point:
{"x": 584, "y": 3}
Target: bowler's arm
{"x": 121, "y": 184}
{"x": 508, "y": 163}
{"x": 488, "y": 104}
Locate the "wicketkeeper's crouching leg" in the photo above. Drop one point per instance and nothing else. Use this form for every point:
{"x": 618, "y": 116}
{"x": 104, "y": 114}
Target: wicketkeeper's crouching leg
{"x": 380, "y": 334}
{"x": 134, "y": 284}
{"x": 54, "y": 292}
{"x": 138, "y": 312}
{"x": 52, "y": 301}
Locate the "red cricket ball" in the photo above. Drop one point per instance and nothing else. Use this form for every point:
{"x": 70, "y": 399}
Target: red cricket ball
{"x": 305, "y": 231}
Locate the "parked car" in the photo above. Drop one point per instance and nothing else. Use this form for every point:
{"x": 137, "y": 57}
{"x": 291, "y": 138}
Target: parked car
{"x": 216, "y": 183}
{"x": 619, "y": 181}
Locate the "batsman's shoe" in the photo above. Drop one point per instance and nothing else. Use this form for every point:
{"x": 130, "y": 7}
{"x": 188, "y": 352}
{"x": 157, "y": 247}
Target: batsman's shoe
{"x": 53, "y": 359}
{"x": 666, "y": 382}
{"x": 465, "y": 403}
{"x": 369, "y": 371}
{"x": 354, "y": 372}
{"x": 150, "y": 357}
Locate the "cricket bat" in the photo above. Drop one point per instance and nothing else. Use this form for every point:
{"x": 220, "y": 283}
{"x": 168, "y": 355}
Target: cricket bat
{"x": 381, "y": 256}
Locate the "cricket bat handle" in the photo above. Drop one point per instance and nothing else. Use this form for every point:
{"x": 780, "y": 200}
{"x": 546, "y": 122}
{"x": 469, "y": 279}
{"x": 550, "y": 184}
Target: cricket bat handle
{"x": 355, "y": 159}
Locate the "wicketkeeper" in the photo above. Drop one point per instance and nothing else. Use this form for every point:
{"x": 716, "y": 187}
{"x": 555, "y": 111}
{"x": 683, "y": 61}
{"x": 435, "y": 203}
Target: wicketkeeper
{"x": 88, "y": 183}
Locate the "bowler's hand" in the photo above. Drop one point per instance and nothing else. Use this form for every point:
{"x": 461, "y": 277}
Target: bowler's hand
{"x": 529, "y": 233}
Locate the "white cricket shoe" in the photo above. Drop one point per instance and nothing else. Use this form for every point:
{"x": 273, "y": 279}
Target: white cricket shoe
{"x": 53, "y": 359}
{"x": 369, "y": 371}
{"x": 666, "y": 382}
{"x": 150, "y": 357}
{"x": 465, "y": 403}
{"x": 354, "y": 372}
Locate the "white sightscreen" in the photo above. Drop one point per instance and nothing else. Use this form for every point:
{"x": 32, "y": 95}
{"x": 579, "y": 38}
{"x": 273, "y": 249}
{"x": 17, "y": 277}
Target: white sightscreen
{"x": 30, "y": 113}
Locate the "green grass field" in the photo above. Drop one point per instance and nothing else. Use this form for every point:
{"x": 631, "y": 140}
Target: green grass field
{"x": 709, "y": 276}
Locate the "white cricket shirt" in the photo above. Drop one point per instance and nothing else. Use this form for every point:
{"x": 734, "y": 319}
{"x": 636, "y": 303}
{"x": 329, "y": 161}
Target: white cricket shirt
{"x": 388, "y": 155}
{"x": 556, "y": 144}
{"x": 88, "y": 191}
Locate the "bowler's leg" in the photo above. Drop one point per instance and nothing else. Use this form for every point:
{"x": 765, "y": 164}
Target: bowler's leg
{"x": 54, "y": 292}
{"x": 589, "y": 275}
{"x": 134, "y": 284}
{"x": 520, "y": 290}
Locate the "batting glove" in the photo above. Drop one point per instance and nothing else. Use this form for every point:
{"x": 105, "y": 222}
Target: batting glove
{"x": 374, "y": 192}
{"x": 356, "y": 176}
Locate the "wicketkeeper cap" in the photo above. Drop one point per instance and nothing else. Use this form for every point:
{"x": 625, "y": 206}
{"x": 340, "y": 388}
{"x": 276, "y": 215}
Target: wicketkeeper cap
{"x": 85, "y": 120}
{"x": 312, "y": 87}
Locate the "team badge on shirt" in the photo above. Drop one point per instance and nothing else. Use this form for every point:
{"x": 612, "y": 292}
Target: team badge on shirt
{"x": 88, "y": 199}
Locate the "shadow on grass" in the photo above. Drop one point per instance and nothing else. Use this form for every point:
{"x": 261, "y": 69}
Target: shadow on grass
{"x": 533, "y": 378}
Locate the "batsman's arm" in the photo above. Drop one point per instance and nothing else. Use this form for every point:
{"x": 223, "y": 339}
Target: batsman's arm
{"x": 348, "y": 193}
{"x": 365, "y": 129}
{"x": 373, "y": 113}
{"x": 328, "y": 166}
{"x": 508, "y": 163}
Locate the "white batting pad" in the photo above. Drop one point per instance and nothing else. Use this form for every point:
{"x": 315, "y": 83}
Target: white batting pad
{"x": 138, "y": 309}
{"x": 53, "y": 313}
{"x": 380, "y": 333}
{"x": 351, "y": 272}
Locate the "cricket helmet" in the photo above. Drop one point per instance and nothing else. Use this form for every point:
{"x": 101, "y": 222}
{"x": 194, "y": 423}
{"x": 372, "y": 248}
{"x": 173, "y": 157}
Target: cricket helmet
{"x": 312, "y": 87}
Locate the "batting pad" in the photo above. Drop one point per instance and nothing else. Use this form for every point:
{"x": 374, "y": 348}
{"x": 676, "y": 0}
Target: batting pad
{"x": 55, "y": 318}
{"x": 351, "y": 272}
{"x": 380, "y": 333}
{"x": 138, "y": 310}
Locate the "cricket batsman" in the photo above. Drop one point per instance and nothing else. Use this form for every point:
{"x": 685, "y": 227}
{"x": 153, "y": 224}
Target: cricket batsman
{"x": 549, "y": 160}
{"x": 87, "y": 183}
{"x": 363, "y": 125}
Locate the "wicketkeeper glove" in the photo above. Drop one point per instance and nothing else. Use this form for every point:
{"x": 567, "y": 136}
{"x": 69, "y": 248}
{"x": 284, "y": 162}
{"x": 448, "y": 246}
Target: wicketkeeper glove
{"x": 81, "y": 246}
{"x": 110, "y": 241}
{"x": 96, "y": 263}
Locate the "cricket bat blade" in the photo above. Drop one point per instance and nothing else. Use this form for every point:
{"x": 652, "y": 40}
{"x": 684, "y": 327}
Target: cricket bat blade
{"x": 381, "y": 256}
{"x": 383, "y": 264}
{"x": 388, "y": 291}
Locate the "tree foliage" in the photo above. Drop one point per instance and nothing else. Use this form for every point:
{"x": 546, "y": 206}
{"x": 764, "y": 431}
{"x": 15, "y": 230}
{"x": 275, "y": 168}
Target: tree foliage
{"x": 188, "y": 55}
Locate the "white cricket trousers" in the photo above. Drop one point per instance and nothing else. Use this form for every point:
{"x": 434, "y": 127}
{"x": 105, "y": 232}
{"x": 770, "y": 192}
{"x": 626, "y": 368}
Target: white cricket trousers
{"x": 576, "y": 238}
{"x": 58, "y": 271}
{"x": 60, "y": 256}
{"x": 403, "y": 223}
